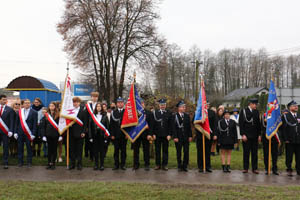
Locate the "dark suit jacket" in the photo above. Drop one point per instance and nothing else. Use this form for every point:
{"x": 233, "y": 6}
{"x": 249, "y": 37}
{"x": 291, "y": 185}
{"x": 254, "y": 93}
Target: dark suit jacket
{"x": 8, "y": 117}
{"x": 47, "y": 129}
{"x": 212, "y": 118}
{"x": 161, "y": 128}
{"x": 181, "y": 126}
{"x": 115, "y": 124}
{"x": 76, "y": 130}
{"x": 291, "y": 133}
{"x": 93, "y": 128}
{"x": 251, "y": 130}
{"x": 225, "y": 137}
{"x": 31, "y": 121}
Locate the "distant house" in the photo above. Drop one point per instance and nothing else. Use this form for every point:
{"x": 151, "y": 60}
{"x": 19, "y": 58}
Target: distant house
{"x": 233, "y": 99}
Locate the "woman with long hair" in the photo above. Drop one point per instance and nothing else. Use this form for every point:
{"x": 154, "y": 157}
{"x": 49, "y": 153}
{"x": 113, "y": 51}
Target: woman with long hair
{"x": 97, "y": 135}
{"x": 50, "y": 133}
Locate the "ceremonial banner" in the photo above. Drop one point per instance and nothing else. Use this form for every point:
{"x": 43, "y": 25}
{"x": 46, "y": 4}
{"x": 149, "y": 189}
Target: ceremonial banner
{"x": 201, "y": 121}
{"x": 130, "y": 117}
{"x": 68, "y": 114}
{"x": 135, "y": 130}
{"x": 273, "y": 114}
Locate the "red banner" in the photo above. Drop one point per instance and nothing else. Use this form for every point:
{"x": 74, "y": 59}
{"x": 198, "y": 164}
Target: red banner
{"x": 130, "y": 117}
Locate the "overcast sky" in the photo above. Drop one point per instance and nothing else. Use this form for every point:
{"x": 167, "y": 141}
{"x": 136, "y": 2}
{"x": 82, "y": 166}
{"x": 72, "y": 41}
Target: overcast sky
{"x": 30, "y": 44}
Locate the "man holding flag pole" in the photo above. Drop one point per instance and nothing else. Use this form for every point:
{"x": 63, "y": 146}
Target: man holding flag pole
{"x": 203, "y": 132}
{"x": 271, "y": 121}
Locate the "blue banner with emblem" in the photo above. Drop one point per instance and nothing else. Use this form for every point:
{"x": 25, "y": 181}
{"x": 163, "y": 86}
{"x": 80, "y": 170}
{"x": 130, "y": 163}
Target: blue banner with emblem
{"x": 273, "y": 115}
{"x": 133, "y": 132}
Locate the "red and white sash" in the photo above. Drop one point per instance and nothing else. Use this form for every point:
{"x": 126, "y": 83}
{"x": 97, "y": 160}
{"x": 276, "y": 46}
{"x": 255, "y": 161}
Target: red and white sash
{"x": 3, "y": 127}
{"x": 51, "y": 121}
{"x": 24, "y": 125}
{"x": 97, "y": 122}
{"x": 79, "y": 122}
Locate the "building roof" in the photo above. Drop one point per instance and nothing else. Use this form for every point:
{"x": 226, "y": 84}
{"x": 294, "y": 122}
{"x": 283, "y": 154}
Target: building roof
{"x": 236, "y": 95}
{"x": 31, "y": 83}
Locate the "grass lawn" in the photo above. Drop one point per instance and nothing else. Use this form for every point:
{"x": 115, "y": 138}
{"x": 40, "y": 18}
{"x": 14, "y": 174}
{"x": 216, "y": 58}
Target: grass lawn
{"x": 106, "y": 190}
{"x": 236, "y": 162}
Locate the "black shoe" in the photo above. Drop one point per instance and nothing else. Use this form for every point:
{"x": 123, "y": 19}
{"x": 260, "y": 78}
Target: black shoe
{"x": 53, "y": 167}
{"x": 96, "y": 167}
{"x": 185, "y": 169}
{"x": 180, "y": 169}
{"x": 115, "y": 168}
{"x": 101, "y": 168}
{"x": 224, "y": 169}
{"x": 123, "y": 168}
{"x": 208, "y": 170}
{"x": 200, "y": 170}
{"x": 79, "y": 167}
{"x": 266, "y": 172}
{"x": 5, "y": 166}
{"x": 72, "y": 167}
{"x": 147, "y": 168}
{"x": 165, "y": 168}
{"x": 275, "y": 173}
{"x": 48, "y": 167}
{"x": 228, "y": 168}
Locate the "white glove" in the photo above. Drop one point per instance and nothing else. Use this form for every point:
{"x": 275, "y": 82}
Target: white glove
{"x": 91, "y": 140}
{"x": 44, "y": 139}
{"x": 60, "y": 138}
{"x": 32, "y": 137}
{"x": 9, "y": 134}
{"x": 16, "y": 136}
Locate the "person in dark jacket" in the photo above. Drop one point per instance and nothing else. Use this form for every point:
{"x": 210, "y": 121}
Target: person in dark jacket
{"x": 117, "y": 136}
{"x": 250, "y": 129}
{"x": 24, "y": 135}
{"x": 38, "y": 107}
{"x": 162, "y": 132}
{"x": 275, "y": 142}
{"x": 182, "y": 135}
{"x": 291, "y": 136}
{"x": 50, "y": 134}
{"x": 7, "y": 121}
{"x": 143, "y": 139}
{"x": 227, "y": 138}
{"x": 97, "y": 135}
{"x": 77, "y": 135}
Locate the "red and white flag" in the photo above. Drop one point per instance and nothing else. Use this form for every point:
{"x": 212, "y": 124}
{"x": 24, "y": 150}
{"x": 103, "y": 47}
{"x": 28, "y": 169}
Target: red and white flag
{"x": 68, "y": 114}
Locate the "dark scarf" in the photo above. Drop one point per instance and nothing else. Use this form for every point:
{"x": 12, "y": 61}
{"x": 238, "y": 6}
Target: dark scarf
{"x": 37, "y": 108}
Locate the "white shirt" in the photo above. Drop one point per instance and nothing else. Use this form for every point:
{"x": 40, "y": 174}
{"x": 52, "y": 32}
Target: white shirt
{"x": 99, "y": 117}
{"x": 120, "y": 109}
{"x": 3, "y": 107}
{"x": 26, "y": 113}
{"x": 94, "y": 105}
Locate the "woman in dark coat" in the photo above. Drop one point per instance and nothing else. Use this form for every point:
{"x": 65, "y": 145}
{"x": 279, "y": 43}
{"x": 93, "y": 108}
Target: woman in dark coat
{"x": 50, "y": 133}
{"x": 227, "y": 138}
{"x": 97, "y": 136}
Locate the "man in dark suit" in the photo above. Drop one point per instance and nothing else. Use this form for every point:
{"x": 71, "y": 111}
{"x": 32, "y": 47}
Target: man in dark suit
{"x": 88, "y": 147}
{"x": 117, "y": 136}
{"x": 144, "y": 139}
{"x": 182, "y": 134}
{"x": 23, "y": 135}
{"x": 162, "y": 132}
{"x": 7, "y": 116}
{"x": 291, "y": 136}
{"x": 77, "y": 135}
{"x": 250, "y": 130}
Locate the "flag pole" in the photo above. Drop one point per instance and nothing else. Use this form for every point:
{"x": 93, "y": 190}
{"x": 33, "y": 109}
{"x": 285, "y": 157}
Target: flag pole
{"x": 203, "y": 136}
{"x": 68, "y": 134}
{"x": 269, "y": 164}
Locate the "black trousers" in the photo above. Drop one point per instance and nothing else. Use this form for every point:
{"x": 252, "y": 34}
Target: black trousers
{"x": 88, "y": 148}
{"x": 98, "y": 149}
{"x": 274, "y": 154}
{"x": 251, "y": 146}
{"x": 199, "y": 145}
{"x": 290, "y": 150}
{"x": 182, "y": 145}
{"x": 5, "y": 147}
{"x": 161, "y": 146}
{"x": 120, "y": 147}
{"x": 76, "y": 146}
{"x": 136, "y": 151}
{"x": 52, "y": 149}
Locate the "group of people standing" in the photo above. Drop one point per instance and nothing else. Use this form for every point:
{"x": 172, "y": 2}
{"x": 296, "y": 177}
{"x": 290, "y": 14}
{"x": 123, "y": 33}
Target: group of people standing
{"x": 97, "y": 125}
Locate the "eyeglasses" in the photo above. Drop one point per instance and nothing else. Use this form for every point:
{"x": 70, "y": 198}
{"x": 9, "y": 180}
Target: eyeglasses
{"x": 17, "y": 104}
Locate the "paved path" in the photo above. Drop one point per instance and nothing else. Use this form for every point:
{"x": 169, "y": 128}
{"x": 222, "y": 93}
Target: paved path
{"x": 39, "y": 173}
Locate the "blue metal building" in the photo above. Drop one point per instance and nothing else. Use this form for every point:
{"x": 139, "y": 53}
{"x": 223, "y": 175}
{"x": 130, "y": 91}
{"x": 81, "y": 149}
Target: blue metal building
{"x": 31, "y": 87}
